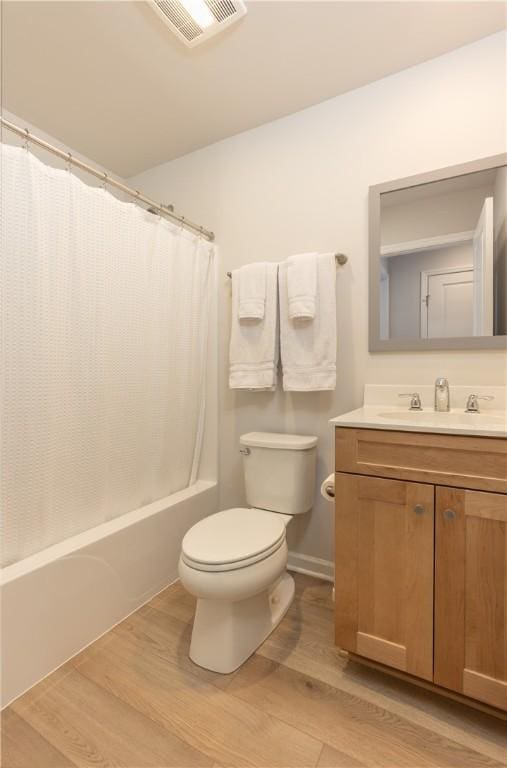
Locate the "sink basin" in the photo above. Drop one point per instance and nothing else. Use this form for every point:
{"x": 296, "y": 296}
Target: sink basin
{"x": 450, "y": 419}
{"x": 383, "y": 410}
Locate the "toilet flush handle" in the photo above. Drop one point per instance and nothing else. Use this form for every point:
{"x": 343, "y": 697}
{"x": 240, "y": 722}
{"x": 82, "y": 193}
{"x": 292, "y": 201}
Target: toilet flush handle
{"x": 245, "y": 450}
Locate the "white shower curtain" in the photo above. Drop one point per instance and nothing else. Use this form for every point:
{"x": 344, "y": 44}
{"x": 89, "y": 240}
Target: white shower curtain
{"x": 104, "y": 311}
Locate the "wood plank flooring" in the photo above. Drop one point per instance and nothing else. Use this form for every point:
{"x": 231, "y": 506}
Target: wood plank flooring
{"x": 134, "y": 699}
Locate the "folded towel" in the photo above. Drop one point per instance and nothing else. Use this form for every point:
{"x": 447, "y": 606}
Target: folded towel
{"x": 254, "y": 346}
{"x": 252, "y": 291}
{"x": 302, "y": 285}
{"x": 308, "y": 347}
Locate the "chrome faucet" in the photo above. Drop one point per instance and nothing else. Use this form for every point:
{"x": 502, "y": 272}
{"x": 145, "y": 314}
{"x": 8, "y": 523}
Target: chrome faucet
{"x": 442, "y": 396}
{"x": 415, "y": 400}
{"x": 473, "y": 402}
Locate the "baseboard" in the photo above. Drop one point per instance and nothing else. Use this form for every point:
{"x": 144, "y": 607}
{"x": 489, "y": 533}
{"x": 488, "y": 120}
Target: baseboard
{"x": 311, "y": 566}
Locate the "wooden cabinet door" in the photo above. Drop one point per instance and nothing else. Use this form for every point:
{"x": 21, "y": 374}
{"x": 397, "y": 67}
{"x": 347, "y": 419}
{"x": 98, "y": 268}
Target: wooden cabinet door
{"x": 384, "y": 571}
{"x": 471, "y": 594}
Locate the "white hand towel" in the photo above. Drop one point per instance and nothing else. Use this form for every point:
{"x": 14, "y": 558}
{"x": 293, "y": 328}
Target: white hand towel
{"x": 302, "y": 285}
{"x": 252, "y": 291}
{"x": 308, "y": 347}
{"x": 254, "y": 346}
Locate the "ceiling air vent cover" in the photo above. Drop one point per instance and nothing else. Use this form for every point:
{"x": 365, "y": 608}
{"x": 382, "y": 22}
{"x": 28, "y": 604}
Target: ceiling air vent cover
{"x": 194, "y": 21}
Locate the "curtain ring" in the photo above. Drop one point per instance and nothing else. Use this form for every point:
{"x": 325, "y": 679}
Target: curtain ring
{"x": 27, "y": 138}
{"x": 68, "y": 162}
{"x": 104, "y": 181}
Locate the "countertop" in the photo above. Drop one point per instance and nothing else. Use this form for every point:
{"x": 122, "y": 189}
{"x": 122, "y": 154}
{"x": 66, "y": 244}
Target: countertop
{"x": 489, "y": 423}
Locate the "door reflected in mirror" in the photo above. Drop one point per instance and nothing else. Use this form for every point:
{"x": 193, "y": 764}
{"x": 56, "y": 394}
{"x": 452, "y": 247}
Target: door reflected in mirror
{"x": 443, "y": 258}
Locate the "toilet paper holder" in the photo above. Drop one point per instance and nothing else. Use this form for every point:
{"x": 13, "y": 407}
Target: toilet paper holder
{"x": 327, "y": 489}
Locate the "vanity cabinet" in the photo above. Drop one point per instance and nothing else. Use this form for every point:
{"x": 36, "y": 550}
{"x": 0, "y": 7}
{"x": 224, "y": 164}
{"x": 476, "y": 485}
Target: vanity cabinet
{"x": 384, "y": 578}
{"x": 421, "y": 556}
{"x": 471, "y": 594}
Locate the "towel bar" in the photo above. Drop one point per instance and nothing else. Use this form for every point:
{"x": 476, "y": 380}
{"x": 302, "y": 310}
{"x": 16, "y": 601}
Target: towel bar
{"x": 341, "y": 259}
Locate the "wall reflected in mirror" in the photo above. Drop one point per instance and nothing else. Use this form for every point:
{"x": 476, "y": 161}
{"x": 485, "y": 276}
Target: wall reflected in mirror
{"x": 443, "y": 258}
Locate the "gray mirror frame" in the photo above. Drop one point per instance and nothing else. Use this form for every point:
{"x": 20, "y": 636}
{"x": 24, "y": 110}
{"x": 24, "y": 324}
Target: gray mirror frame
{"x": 376, "y": 344}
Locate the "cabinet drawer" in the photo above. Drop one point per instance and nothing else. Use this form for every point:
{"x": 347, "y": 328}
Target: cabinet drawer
{"x": 478, "y": 463}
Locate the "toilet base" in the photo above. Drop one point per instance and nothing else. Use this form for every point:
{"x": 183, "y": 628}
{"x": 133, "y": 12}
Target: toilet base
{"x": 225, "y": 634}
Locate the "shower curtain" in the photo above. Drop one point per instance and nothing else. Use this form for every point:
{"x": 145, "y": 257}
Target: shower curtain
{"x": 104, "y": 313}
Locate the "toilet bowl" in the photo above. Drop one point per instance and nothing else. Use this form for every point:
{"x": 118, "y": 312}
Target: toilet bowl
{"x": 234, "y": 562}
{"x": 242, "y": 588}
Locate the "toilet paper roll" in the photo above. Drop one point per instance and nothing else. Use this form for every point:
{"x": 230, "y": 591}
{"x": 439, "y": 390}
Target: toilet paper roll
{"x": 327, "y": 488}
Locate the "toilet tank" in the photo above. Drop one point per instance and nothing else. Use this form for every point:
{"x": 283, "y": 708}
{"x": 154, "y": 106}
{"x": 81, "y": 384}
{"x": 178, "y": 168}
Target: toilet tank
{"x": 279, "y": 471}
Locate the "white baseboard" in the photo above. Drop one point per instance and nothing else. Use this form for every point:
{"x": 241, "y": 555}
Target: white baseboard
{"x": 311, "y": 566}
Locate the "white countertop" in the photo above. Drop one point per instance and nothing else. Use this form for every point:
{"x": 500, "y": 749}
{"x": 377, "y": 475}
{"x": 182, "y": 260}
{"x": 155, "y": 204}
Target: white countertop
{"x": 380, "y": 411}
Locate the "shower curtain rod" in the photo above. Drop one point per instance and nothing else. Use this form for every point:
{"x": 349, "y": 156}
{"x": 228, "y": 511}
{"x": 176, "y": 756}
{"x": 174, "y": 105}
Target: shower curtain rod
{"x": 153, "y": 206}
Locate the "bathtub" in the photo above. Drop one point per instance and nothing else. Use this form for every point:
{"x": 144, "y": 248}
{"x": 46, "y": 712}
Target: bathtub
{"x": 58, "y": 601}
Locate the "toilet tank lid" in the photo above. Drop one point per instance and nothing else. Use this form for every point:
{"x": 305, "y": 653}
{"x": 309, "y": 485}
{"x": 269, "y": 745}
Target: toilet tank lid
{"x": 278, "y": 440}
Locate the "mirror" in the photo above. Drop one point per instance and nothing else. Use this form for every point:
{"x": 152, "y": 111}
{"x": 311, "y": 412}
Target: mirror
{"x": 438, "y": 259}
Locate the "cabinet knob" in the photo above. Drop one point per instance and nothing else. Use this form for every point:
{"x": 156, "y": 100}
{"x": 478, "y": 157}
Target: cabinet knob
{"x": 419, "y": 509}
{"x": 449, "y": 514}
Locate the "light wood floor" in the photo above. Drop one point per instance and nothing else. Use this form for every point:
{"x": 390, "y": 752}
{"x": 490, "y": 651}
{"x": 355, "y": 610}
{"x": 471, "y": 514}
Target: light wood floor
{"x": 133, "y": 699}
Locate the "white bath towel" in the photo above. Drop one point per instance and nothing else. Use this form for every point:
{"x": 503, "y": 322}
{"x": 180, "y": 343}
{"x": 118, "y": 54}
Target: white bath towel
{"x": 308, "y": 347}
{"x": 302, "y": 285}
{"x": 254, "y": 346}
{"x": 252, "y": 290}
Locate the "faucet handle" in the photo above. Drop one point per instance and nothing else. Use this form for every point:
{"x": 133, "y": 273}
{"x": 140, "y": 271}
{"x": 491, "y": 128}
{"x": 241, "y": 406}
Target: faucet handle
{"x": 415, "y": 401}
{"x": 472, "y": 405}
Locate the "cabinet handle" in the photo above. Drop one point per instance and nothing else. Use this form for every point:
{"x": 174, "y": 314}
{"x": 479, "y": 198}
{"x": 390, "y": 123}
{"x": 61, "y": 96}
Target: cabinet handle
{"x": 449, "y": 514}
{"x": 419, "y": 509}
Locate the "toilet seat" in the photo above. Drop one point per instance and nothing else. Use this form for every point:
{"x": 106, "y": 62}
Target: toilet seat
{"x": 233, "y": 539}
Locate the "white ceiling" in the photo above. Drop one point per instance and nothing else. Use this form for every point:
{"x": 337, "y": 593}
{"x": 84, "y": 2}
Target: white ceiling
{"x": 108, "y": 79}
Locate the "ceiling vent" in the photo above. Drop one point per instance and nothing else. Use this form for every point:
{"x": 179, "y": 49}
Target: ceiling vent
{"x": 194, "y": 21}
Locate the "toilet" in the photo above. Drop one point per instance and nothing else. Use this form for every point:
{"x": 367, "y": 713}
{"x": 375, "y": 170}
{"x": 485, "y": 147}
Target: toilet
{"x": 234, "y": 562}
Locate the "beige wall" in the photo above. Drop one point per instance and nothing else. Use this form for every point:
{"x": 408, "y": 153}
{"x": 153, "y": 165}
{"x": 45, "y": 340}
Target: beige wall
{"x": 301, "y": 183}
